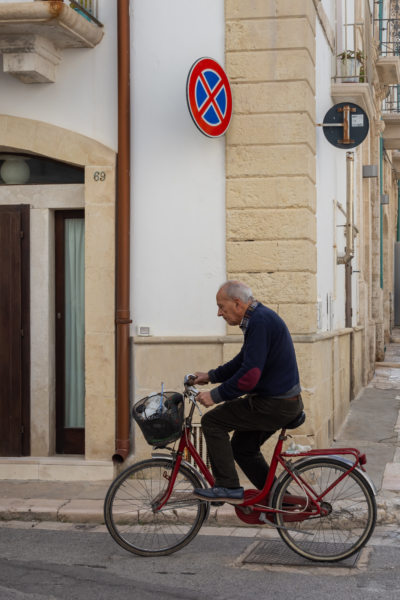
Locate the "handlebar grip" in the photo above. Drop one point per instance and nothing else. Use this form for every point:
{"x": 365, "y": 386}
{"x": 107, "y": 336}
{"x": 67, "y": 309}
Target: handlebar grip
{"x": 190, "y": 379}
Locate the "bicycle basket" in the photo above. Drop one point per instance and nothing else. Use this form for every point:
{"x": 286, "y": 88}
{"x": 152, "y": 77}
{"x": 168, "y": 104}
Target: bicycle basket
{"x": 160, "y": 417}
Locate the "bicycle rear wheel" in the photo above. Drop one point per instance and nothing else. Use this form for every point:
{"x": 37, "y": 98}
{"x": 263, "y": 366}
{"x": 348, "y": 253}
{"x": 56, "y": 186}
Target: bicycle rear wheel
{"x": 350, "y": 509}
{"x": 131, "y": 517}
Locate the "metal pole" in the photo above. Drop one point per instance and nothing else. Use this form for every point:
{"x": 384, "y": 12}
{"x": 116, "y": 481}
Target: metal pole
{"x": 350, "y": 204}
{"x": 349, "y": 227}
{"x": 349, "y": 235}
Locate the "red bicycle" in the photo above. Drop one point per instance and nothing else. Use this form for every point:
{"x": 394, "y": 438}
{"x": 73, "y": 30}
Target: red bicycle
{"x": 322, "y": 503}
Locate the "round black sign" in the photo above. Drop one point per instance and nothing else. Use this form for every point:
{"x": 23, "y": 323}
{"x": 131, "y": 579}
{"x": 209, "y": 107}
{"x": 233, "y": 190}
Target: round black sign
{"x": 346, "y": 125}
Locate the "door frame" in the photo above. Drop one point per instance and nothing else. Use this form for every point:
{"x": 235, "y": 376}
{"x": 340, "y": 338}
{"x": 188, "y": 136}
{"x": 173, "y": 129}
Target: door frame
{"x": 72, "y": 440}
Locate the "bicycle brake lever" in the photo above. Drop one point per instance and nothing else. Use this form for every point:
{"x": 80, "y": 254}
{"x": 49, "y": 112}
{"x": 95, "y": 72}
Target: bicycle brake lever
{"x": 197, "y": 406}
{"x": 192, "y": 393}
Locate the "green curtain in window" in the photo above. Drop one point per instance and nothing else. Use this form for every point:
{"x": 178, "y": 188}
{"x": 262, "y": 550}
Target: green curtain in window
{"x": 74, "y": 323}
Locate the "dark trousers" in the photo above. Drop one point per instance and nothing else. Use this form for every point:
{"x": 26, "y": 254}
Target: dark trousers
{"x": 253, "y": 420}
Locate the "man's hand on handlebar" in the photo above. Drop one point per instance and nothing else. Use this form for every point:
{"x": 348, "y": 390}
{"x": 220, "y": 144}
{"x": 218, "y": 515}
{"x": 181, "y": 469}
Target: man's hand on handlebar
{"x": 201, "y": 378}
{"x": 205, "y": 399}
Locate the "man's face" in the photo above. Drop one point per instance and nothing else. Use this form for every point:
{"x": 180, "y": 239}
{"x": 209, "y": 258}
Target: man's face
{"x": 230, "y": 309}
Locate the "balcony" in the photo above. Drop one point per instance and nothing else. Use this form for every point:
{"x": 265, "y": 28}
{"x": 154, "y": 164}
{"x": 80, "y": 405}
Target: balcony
{"x": 352, "y": 68}
{"x": 388, "y": 63}
{"x": 396, "y": 162}
{"x": 34, "y": 34}
{"x": 391, "y": 117}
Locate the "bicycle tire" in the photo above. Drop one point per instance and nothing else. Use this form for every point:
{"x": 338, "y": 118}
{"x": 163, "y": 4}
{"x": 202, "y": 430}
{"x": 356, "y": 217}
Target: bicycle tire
{"x": 131, "y": 520}
{"x": 347, "y": 527}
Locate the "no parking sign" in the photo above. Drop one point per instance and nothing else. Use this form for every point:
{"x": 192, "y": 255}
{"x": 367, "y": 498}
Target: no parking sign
{"x": 209, "y": 97}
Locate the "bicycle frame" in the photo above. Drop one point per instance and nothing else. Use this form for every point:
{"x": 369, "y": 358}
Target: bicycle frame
{"x": 280, "y": 458}
{"x": 185, "y": 443}
{"x": 312, "y": 506}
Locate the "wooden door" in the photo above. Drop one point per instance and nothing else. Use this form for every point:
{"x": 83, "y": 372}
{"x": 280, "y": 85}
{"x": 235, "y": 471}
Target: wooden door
{"x": 14, "y": 331}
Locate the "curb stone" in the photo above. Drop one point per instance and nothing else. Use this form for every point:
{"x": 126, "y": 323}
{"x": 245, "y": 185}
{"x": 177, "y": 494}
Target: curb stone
{"x": 91, "y": 511}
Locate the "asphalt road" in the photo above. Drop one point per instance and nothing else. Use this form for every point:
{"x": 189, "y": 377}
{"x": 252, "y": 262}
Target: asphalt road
{"x": 51, "y": 561}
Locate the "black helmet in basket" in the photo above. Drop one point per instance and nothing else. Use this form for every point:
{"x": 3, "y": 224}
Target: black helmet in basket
{"x": 160, "y": 417}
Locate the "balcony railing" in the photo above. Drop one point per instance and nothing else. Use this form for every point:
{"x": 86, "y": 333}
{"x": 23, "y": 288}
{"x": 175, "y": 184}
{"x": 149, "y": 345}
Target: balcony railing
{"x": 389, "y": 48}
{"x": 91, "y": 6}
{"x": 87, "y": 8}
{"x": 388, "y": 26}
{"x": 391, "y": 103}
{"x": 352, "y": 61}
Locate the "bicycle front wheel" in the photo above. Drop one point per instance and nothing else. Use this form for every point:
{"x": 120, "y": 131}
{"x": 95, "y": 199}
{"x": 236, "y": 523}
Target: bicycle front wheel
{"x": 349, "y": 513}
{"x": 130, "y": 508}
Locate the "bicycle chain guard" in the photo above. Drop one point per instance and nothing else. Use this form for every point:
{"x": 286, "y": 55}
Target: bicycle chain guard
{"x": 250, "y": 514}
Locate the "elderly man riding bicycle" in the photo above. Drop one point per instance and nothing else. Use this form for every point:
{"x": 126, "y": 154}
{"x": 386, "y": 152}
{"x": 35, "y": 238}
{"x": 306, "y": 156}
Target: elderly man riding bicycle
{"x": 259, "y": 393}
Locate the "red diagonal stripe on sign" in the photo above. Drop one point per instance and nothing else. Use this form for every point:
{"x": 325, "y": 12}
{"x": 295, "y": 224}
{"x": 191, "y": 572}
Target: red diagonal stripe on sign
{"x": 211, "y": 97}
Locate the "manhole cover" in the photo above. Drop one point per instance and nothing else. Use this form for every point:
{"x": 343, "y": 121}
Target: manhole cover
{"x": 272, "y": 552}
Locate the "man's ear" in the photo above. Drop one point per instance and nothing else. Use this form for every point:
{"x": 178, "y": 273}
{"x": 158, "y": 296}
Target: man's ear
{"x": 239, "y": 304}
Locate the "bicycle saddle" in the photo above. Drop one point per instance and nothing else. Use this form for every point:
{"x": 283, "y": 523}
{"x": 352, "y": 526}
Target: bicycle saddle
{"x": 299, "y": 420}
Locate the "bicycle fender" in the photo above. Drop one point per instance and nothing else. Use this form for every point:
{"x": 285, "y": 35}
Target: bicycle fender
{"x": 191, "y": 468}
{"x": 334, "y": 457}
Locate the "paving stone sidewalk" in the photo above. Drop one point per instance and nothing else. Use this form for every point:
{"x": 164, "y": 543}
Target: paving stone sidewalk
{"x": 372, "y": 425}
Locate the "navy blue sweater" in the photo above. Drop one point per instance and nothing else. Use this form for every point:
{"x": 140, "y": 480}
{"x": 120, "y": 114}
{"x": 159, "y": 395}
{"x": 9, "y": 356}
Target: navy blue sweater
{"x": 266, "y": 364}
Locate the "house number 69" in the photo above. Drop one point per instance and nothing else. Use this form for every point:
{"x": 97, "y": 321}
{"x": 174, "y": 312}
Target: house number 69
{"x": 99, "y": 176}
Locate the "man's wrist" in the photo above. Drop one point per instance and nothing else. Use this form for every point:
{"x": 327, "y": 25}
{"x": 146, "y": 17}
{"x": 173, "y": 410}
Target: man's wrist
{"x": 215, "y": 395}
{"x": 211, "y": 376}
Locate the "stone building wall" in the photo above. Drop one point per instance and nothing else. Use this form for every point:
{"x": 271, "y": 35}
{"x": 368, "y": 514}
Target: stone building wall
{"x": 270, "y": 155}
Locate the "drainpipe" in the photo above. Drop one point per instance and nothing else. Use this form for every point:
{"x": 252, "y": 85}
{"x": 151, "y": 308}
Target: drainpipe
{"x": 347, "y": 257}
{"x": 122, "y": 319}
{"x": 380, "y": 212}
{"x": 398, "y": 211}
{"x": 380, "y": 17}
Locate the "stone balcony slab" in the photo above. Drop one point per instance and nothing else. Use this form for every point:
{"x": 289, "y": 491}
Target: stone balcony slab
{"x": 391, "y": 134}
{"x": 357, "y": 93}
{"x": 388, "y": 69}
{"x": 33, "y": 35}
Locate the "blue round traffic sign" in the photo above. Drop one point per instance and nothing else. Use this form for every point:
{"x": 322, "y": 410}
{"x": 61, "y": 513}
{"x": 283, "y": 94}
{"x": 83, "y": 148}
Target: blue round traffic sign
{"x": 209, "y": 97}
{"x": 346, "y": 125}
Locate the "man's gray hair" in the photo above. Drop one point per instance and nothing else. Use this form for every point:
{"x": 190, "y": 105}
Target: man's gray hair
{"x": 237, "y": 289}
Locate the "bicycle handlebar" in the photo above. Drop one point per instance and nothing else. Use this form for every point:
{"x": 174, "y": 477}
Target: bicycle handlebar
{"x": 189, "y": 380}
{"x": 191, "y": 392}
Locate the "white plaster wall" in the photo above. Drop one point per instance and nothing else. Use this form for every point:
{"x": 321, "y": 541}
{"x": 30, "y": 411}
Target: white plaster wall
{"x": 330, "y": 9}
{"x": 84, "y": 97}
{"x": 178, "y": 183}
{"x": 331, "y": 187}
